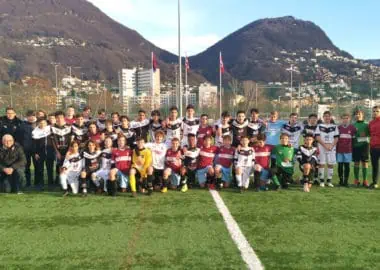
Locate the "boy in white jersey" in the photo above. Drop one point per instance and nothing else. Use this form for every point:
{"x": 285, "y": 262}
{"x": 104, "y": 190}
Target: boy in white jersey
{"x": 294, "y": 130}
{"x": 158, "y": 149}
{"x": 102, "y": 175}
{"x": 244, "y": 162}
{"x": 173, "y": 126}
{"x": 190, "y": 124}
{"x": 327, "y": 135}
{"x": 71, "y": 169}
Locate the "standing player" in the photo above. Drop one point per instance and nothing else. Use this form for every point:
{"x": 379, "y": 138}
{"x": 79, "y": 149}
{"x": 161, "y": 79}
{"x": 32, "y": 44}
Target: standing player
{"x": 374, "y": 131}
{"x": 190, "y": 163}
{"x": 93, "y": 133}
{"x": 173, "y": 165}
{"x": 360, "y": 150}
{"x": 262, "y": 163}
{"x": 307, "y": 158}
{"x": 115, "y": 116}
{"x": 205, "y": 172}
{"x": 156, "y": 124}
{"x": 190, "y": 124}
{"x": 239, "y": 128}
{"x": 121, "y": 164}
{"x": 70, "y": 115}
{"x": 71, "y": 169}
{"x": 173, "y": 126}
{"x": 244, "y": 162}
{"x": 102, "y": 117}
{"x": 141, "y": 125}
{"x": 79, "y": 131}
{"x": 293, "y": 129}
{"x": 273, "y": 132}
{"x": 309, "y": 128}
{"x": 327, "y": 135}
{"x": 256, "y": 126}
{"x": 128, "y": 133}
{"x": 344, "y": 149}
{"x": 158, "y": 149}
{"x": 223, "y": 167}
{"x": 204, "y": 130}
{"x": 223, "y": 128}
{"x": 109, "y": 131}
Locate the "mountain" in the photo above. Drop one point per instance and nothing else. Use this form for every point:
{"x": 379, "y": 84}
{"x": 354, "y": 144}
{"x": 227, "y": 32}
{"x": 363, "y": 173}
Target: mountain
{"x": 36, "y": 33}
{"x": 374, "y": 61}
{"x": 249, "y": 52}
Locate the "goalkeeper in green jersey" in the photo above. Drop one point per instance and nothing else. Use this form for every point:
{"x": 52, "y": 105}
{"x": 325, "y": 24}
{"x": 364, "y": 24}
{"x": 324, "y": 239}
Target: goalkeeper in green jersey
{"x": 283, "y": 170}
{"x": 360, "y": 150}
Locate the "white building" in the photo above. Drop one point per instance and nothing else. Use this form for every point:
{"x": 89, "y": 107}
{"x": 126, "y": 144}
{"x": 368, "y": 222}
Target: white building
{"x": 208, "y": 94}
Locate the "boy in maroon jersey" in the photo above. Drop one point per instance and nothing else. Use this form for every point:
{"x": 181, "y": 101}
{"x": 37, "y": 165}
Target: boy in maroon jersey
{"x": 93, "y": 133}
{"x": 344, "y": 149}
{"x": 206, "y": 163}
{"x": 173, "y": 166}
{"x": 223, "y": 167}
{"x": 204, "y": 130}
{"x": 262, "y": 165}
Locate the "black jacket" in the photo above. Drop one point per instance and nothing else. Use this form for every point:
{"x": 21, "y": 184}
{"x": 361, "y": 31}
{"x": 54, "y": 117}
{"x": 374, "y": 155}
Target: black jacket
{"x": 13, "y": 157}
{"x": 11, "y": 127}
{"x": 26, "y": 129}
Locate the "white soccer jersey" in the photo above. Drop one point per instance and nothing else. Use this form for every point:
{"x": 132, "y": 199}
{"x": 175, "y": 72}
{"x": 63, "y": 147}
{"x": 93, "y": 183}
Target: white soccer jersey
{"x": 226, "y": 130}
{"x": 190, "y": 126}
{"x": 73, "y": 163}
{"x": 105, "y": 159}
{"x": 327, "y": 132}
{"x": 173, "y": 129}
{"x": 294, "y": 133}
{"x": 245, "y": 157}
{"x": 158, "y": 154}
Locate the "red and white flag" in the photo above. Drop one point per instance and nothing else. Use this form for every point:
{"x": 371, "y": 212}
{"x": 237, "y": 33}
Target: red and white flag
{"x": 221, "y": 63}
{"x": 154, "y": 62}
{"x": 187, "y": 64}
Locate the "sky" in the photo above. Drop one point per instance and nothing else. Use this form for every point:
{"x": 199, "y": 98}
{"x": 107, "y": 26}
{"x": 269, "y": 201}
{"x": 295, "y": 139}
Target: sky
{"x": 353, "y": 26}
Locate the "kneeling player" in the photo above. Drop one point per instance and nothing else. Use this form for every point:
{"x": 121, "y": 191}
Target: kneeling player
{"x": 283, "y": 170}
{"x": 142, "y": 169}
{"x": 205, "y": 164}
{"x": 102, "y": 175}
{"x": 224, "y": 163}
{"x": 173, "y": 166}
{"x": 190, "y": 163}
{"x": 244, "y": 162}
{"x": 158, "y": 149}
{"x": 91, "y": 157}
{"x": 70, "y": 171}
{"x": 121, "y": 164}
{"x": 262, "y": 163}
{"x": 307, "y": 158}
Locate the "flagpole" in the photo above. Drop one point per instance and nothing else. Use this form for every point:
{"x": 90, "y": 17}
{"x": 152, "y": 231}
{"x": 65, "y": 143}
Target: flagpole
{"x": 151, "y": 79}
{"x": 220, "y": 84}
{"x": 179, "y": 58}
{"x": 186, "y": 89}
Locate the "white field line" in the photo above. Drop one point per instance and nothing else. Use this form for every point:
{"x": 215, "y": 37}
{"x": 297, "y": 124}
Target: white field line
{"x": 247, "y": 253}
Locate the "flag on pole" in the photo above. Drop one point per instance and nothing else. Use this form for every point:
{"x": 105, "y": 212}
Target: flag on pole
{"x": 221, "y": 63}
{"x": 154, "y": 62}
{"x": 187, "y": 64}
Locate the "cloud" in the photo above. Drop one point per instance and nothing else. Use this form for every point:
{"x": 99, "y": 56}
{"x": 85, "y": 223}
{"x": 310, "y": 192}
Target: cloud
{"x": 190, "y": 44}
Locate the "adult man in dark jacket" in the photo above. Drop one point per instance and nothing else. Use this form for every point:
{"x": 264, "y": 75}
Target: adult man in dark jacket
{"x": 26, "y": 130}
{"x": 12, "y": 162}
{"x": 10, "y": 124}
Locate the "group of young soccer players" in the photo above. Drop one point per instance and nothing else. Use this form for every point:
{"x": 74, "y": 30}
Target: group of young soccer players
{"x": 154, "y": 154}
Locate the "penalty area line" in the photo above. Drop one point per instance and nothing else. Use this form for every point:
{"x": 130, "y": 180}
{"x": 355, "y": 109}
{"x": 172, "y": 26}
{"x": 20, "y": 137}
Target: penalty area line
{"x": 247, "y": 253}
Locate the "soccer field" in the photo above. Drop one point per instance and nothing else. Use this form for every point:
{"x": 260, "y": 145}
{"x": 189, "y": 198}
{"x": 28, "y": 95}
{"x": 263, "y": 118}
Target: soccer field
{"x": 325, "y": 229}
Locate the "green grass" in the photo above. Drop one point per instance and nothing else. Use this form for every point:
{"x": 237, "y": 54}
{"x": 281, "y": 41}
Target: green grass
{"x": 167, "y": 231}
{"x": 325, "y": 229}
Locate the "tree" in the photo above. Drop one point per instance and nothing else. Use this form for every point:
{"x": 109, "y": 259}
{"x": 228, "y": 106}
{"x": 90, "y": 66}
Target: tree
{"x": 249, "y": 93}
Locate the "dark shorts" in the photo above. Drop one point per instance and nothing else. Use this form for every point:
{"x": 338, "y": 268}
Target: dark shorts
{"x": 158, "y": 175}
{"x": 313, "y": 164}
{"x": 360, "y": 153}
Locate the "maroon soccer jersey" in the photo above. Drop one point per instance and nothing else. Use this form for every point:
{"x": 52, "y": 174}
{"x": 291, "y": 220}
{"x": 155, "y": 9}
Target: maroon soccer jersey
{"x": 345, "y": 139}
{"x": 122, "y": 158}
{"x": 206, "y": 156}
{"x": 262, "y": 155}
{"x": 225, "y": 156}
{"x": 95, "y": 137}
{"x": 202, "y": 132}
{"x": 173, "y": 160}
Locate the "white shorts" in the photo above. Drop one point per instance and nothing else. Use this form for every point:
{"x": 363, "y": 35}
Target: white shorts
{"x": 103, "y": 174}
{"x": 326, "y": 157}
{"x": 72, "y": 177}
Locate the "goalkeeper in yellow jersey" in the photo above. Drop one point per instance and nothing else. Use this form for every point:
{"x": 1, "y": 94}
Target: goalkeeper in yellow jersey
{"x": 141, "y": 173}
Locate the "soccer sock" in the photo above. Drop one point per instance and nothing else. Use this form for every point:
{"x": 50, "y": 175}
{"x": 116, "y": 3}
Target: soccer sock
{"x": 364, "y": 172}
{"x": 109, "y": 187}
{"x": 84, "y": 185}
{"x": 210, "y": 179}
{"x": 238, "y": 180}
{"x": 346, "y": 172}
{"x": 183, "y": 180}
{"x": 113, "y": 188}
{"x": 165, "y": 182}
{"x": 305, "y": 178}
{"x": 316, "y": 174}
{"x": 218, "y": 181}
{"x": 150, "y": 182}
{"x": 63, "y": 179}
{"x": 132, "y": 182}
{"x": 330, "y": 172}
{"x": 257, "y": 179}
{"x": 356, "y": 172}
{"x": 321, "y": 173}
{"x": 275, "y": 180}
{"x": 340, "y": 172}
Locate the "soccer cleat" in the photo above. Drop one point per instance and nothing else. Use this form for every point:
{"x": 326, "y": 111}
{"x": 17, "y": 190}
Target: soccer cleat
{"x": 316, "y": 182}
{"x": 241, "y": 190}
{"x": 211, "y": 186}
{"x": 373, "y": 186}
{"x": 365, "y": 183}
{"x": 134, "y": 194}
{"x": 322, "y": 184}
{"x": 150, "y": 191}
{"x": 65, "y": 194}
{"x": 164, "y": 190}
{"x": 329, "y": 184}
{"x": 306, "y": 187}
{"x": 357, "y": 183}
{"x": 20, "y": 193}
{"x": 184, "y": 188}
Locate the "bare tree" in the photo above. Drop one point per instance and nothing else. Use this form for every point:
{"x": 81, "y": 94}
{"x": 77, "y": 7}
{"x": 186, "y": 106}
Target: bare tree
{"x": 249, "y": 92}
